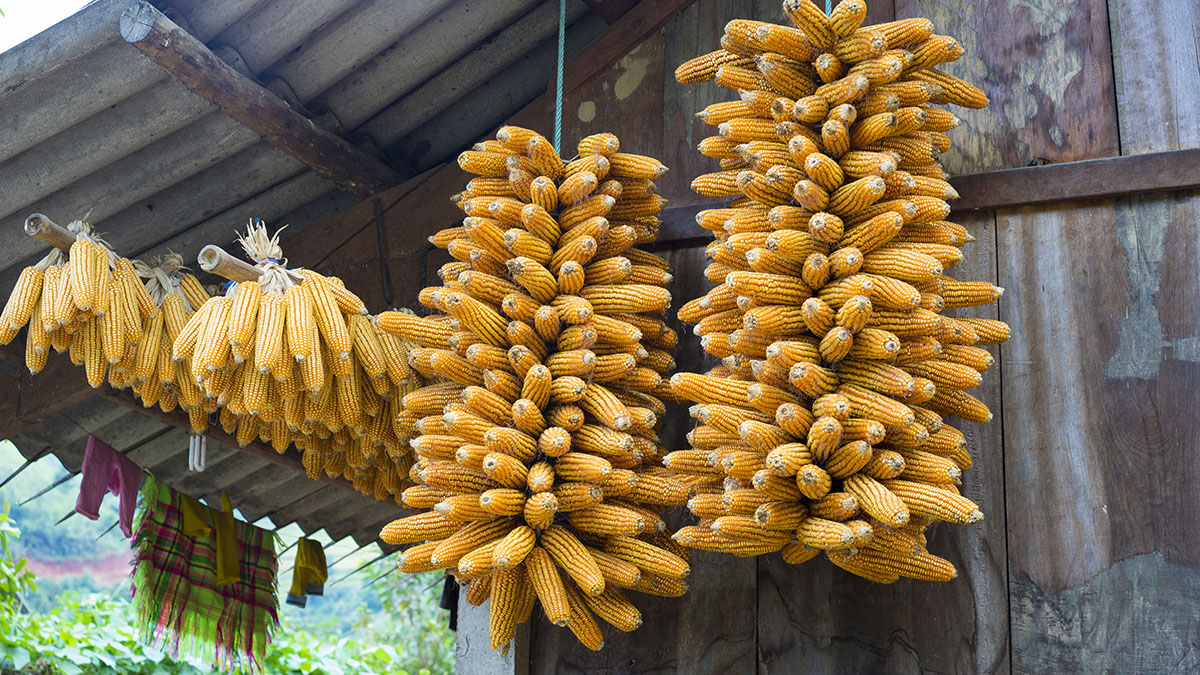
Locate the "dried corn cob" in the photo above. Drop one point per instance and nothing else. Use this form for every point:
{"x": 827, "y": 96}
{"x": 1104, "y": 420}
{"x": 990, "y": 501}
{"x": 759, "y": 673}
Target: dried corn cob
{"x": 560, "y": 356}
{"x": 833, "y": 296}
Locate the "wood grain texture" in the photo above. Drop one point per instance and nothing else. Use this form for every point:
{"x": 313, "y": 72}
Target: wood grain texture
{"x": 1116, "y": 622}
{"x": 1156, "y": 61}
{"x": 1099, "y": 426}
{"x": 1083, "y": 179}
{"x": 709, "y": 630}
{"x": 1047, "y": 69}
{"x": 631, "y": 30}
{"x": 618, "y": 101}
{"x": 696, "y": 30}
{"x": 818, "y": 618}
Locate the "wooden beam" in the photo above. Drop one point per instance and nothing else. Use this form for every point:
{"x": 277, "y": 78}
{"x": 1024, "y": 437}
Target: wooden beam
{"x": 206, "y": 75}
{"x": 610, "y": 10}
{"x": 432, "y": 199}
{"x": 1085, "y": 179}
{"x": 1010, "y": 188}
{"x": 177, "y": 418}
{"x": 29, "y": 399}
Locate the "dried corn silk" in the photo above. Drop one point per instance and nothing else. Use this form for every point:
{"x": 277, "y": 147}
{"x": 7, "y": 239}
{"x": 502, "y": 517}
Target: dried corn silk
{"x": 825, "y": 418}
{"x": 539, "y": 469}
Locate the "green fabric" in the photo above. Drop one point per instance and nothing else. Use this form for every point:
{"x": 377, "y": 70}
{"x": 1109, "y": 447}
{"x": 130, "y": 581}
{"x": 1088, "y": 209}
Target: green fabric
{"x": 181, "y": 607}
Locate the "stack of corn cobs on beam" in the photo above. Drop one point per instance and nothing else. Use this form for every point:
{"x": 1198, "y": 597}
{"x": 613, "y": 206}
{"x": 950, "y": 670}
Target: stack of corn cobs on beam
{"x": 93, "y": 305}
{"x": 293, "y": 358}
{"x": 824, "y": 419}
{"x": 538, "y": 465}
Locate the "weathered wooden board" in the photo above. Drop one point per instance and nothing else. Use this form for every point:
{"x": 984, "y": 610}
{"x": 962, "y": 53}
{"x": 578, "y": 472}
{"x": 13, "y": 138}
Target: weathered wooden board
{"x": 696, "y": 30}
{"x": 1047, "y": 69}
{"x": 818, "y": 618}
{"x": 1099, "y": 429}
{"x": 1083, "y": 179}
{"x": 1156, "y": 61}
{"x": 705, "y": 631}
{"x": 618, "y": 102}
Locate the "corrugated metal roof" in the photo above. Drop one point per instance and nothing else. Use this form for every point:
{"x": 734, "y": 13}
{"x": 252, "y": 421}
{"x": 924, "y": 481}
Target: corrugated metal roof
{"x": 87, "y": 122}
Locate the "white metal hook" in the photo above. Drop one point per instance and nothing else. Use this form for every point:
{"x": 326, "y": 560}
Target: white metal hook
{"x": 197, "y": 452}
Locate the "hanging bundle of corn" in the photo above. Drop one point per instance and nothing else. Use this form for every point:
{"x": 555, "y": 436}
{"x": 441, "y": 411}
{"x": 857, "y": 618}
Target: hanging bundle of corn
{"x": 539, "y": 472}
{"x": 289, "y": 356}
{"x": 155, "y": 377}
{"x": 822, "y": 429}
{"x": 81, "y": 299}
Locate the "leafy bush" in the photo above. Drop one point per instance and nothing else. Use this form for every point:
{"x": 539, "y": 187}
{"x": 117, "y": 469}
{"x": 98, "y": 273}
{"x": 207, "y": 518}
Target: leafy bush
{"x": 89, "y": 634}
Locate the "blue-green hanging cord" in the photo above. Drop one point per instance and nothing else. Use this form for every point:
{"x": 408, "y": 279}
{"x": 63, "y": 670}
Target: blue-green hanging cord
{"x": 828, "y": 7}
{"x": 558, "y": 90}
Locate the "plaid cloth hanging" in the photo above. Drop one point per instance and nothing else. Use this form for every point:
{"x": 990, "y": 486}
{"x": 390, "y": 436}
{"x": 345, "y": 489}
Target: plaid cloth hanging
{"x": 181, "y": 607}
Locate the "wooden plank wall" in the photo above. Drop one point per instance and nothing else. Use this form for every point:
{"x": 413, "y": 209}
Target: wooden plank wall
{"x": 1089, "y": 559}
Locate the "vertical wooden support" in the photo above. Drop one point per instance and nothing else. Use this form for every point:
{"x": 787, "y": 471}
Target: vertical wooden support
{"x": 475, "y": 655}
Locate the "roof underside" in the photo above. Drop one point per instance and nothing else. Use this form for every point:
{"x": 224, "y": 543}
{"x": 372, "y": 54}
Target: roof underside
{"x": 89, "y": 123}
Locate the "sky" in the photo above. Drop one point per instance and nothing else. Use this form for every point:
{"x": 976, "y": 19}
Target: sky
{"x": 25, "y": 18}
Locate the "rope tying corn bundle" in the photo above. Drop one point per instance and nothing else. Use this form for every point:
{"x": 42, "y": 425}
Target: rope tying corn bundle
{"x": 539, "y": 473}
{"x": 822, "y": 429}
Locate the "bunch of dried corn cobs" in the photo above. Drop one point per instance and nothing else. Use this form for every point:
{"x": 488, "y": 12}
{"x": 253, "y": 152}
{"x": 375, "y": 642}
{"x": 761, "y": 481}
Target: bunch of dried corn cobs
{"x": 539, "y": 468}
{"x": 824, "y": 419}
{"x": 93, "y": 305}
{"x": 293, "y": 358}
{"x": 156, "y": 378}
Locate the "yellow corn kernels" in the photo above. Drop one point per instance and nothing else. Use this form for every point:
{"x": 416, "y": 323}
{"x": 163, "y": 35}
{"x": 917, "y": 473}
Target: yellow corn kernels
{"x": 545, "y": 325}
{"x": 832, "y": 290}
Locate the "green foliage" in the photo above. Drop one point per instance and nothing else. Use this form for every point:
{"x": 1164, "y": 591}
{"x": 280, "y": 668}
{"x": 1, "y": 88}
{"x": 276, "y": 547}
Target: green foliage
{"x": 15, "y": 580}
{"x": 410, "y": 616}
{"x": 89, "y": 634}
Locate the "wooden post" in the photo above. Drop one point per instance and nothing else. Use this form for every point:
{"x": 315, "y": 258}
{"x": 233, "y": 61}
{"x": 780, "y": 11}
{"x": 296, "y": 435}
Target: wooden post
{"x": 206, "y": 75}
{"x": 42, "y": 228}
{"x": 475, "y": 655}
{"x": 218, "y": 261}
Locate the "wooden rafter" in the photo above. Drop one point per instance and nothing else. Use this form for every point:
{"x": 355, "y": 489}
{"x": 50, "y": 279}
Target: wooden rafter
{"x": 428, "y": 192}
{"x": 610, "y": 10}
{"x": 29, "y": 399}
{"x": 206, "y": 75}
